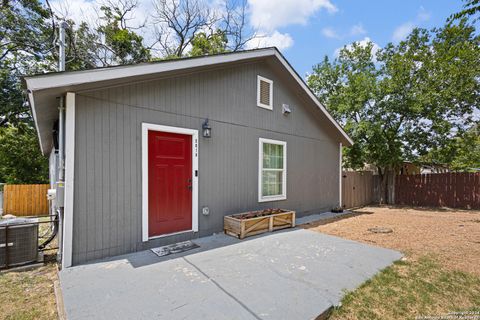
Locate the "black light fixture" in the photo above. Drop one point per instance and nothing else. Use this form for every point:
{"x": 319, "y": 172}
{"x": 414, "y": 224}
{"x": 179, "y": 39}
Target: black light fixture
{"x": 206, "y": 129}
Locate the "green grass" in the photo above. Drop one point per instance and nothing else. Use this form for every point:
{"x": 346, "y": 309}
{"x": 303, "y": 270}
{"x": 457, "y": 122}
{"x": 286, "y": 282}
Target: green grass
{"x": 409, "y": 289}
{"x": 26, "y": 295}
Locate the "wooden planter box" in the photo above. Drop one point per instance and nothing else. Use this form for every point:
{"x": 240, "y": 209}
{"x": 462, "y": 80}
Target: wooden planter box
{"x": 239, "y": 227}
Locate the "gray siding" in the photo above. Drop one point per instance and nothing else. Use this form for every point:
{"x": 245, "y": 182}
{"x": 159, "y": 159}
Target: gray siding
{"x": 107, "y": 199}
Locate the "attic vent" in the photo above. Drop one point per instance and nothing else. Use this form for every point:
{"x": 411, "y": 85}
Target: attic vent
{"x": 264, "y": 93}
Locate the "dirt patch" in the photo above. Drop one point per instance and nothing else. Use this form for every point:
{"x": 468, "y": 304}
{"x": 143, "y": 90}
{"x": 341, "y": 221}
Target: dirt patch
{"x": 453, "y": 236}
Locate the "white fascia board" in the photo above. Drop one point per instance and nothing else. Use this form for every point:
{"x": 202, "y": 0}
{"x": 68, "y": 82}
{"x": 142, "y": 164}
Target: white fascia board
{"x": 31, "y": 101}
{"x": 104, "y": 74}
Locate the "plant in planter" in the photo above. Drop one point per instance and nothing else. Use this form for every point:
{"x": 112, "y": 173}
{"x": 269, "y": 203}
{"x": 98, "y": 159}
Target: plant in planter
{"x": 337, "y": 209}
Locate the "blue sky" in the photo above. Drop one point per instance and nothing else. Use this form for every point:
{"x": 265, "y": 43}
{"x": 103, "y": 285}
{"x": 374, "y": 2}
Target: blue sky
{"x": 382, "y": 22}
{"x": 304, "y": 30}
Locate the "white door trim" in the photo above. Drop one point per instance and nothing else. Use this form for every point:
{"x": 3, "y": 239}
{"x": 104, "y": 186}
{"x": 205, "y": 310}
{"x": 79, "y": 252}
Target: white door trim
{"x": 155, "y": 127}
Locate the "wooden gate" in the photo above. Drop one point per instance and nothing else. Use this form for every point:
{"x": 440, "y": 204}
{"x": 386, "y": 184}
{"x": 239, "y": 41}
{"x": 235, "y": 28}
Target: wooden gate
{"x": 25, "y": 199}
{"x": 357, "y": 188}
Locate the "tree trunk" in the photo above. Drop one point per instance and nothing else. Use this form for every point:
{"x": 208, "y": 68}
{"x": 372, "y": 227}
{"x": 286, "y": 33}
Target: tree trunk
{"x": 391, "y": 187}
{"x": 382, "y": 188}
{"x": 387, "y": 185}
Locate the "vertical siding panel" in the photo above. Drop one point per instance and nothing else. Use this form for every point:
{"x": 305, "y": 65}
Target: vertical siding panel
{"x": 113, "y": 180}
{"x": 120, "y": 221}
{"x": 91, "y": 210}
{"x": 135, "y": 211}
{"x": 127, "y": 184}
{"x": 98, "y": 199}
{"x": 81, "y": 214}
{"x": 106, "y": 186}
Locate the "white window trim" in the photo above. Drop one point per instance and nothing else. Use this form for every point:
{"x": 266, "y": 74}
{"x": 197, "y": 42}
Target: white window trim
{"x": 194, "y": 133}
{"x": 282, "y": 196}
{"x": 259, "y": 104}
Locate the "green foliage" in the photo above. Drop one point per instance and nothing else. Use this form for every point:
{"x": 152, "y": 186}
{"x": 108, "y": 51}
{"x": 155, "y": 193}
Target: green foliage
{"x": 462, "y": 152}
{"x": 25, "y": 40}
{"x": 20, "y": 157}
{"x": 406, "y": 99}
{"x": 126, "y": 46}
{"x": 470, "y": 8}
{"x": 203, "y": 44}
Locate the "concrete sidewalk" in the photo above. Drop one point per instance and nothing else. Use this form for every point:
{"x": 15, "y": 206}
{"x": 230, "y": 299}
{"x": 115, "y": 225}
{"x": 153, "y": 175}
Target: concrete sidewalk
{"x": 295, "y": 274}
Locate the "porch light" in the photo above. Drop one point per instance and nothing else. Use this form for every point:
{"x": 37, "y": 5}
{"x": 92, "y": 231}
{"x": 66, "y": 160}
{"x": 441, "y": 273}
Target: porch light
{"x": 206, "y": 129}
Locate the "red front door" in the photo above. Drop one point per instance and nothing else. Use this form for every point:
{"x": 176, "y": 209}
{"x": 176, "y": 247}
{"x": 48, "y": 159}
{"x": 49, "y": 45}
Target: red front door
{"x": 169, "y": 183}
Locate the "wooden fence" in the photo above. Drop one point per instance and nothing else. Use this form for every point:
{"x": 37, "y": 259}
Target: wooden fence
{"x": 357, "y": 188}
{"x": 453, "y": 190}
{"x": 25, "y": 199}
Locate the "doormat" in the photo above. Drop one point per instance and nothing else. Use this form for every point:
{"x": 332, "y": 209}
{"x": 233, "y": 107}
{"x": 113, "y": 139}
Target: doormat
{"x": 174, "y": 248}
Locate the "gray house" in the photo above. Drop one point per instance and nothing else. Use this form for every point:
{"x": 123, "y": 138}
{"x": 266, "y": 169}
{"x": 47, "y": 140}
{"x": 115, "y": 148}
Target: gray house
{"x": 158, "y": 153}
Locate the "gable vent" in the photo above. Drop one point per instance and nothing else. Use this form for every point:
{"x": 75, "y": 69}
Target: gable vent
{"x": 264, "y": 93}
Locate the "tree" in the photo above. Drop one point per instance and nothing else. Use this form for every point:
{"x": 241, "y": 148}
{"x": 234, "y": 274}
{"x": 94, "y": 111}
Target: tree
{"x": 109, "y": 42}
{"x": 404, "y": 100}
{"x": 28, "y": 34}
{"x": 124, "y": 44}
{"x": 462, "y": 153}
{"x": 179, "y": 22}
{"x": 470, "y": 8}
{"x": 20, "y": 157}
{"x": 203, "y": 44}
{"x": 26, "y": 37}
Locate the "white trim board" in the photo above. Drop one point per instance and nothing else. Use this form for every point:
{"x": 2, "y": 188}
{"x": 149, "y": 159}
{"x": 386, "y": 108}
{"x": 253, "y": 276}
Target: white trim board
{"x": 69, "y": 179}
{"x": 340, "y": 175}
{"x": 156, "y": 127}
{"x": 283, "y": 196}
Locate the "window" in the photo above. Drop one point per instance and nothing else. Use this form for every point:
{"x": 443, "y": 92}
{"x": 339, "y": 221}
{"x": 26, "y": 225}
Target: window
{"x": 264, "y": 93}
{"x": 272, "y": 170}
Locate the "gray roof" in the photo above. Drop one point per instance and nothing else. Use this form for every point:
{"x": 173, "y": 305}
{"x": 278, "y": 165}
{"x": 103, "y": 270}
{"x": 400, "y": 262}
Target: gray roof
{"x": 44, "y": 89}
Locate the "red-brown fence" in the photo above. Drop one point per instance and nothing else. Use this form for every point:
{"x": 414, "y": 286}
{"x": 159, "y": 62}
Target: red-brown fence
{"x": 454, "y": 190}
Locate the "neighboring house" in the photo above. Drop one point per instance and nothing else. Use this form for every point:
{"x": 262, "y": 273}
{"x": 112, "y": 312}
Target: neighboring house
{"x": 141, "y": 169}
{"x": 410, "y": 168}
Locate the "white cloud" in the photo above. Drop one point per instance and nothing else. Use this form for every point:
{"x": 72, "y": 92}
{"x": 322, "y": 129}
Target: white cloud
{"x": 402, "y": 31}
{"x": 76, "y": 10}
{"x": 362, "y": 43}
{"x": 268, "y": 15}
{"x": 89, "y": 11}
{"x": 276, "y": 39}
{"x": 423, "y": 15}
{"x": 357, "y": 29}
{"x": 330, "y": 33}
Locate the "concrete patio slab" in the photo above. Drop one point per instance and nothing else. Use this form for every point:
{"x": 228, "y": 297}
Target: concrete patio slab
{"x": 295, "y": 274}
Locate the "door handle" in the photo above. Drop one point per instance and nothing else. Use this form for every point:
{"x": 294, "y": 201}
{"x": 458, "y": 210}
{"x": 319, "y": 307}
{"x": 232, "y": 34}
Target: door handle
{"x": 189, "y": 187}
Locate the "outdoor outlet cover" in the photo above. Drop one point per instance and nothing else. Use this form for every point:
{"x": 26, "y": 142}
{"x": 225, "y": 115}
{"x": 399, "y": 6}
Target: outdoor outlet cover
{"x": 205, "y": 211}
